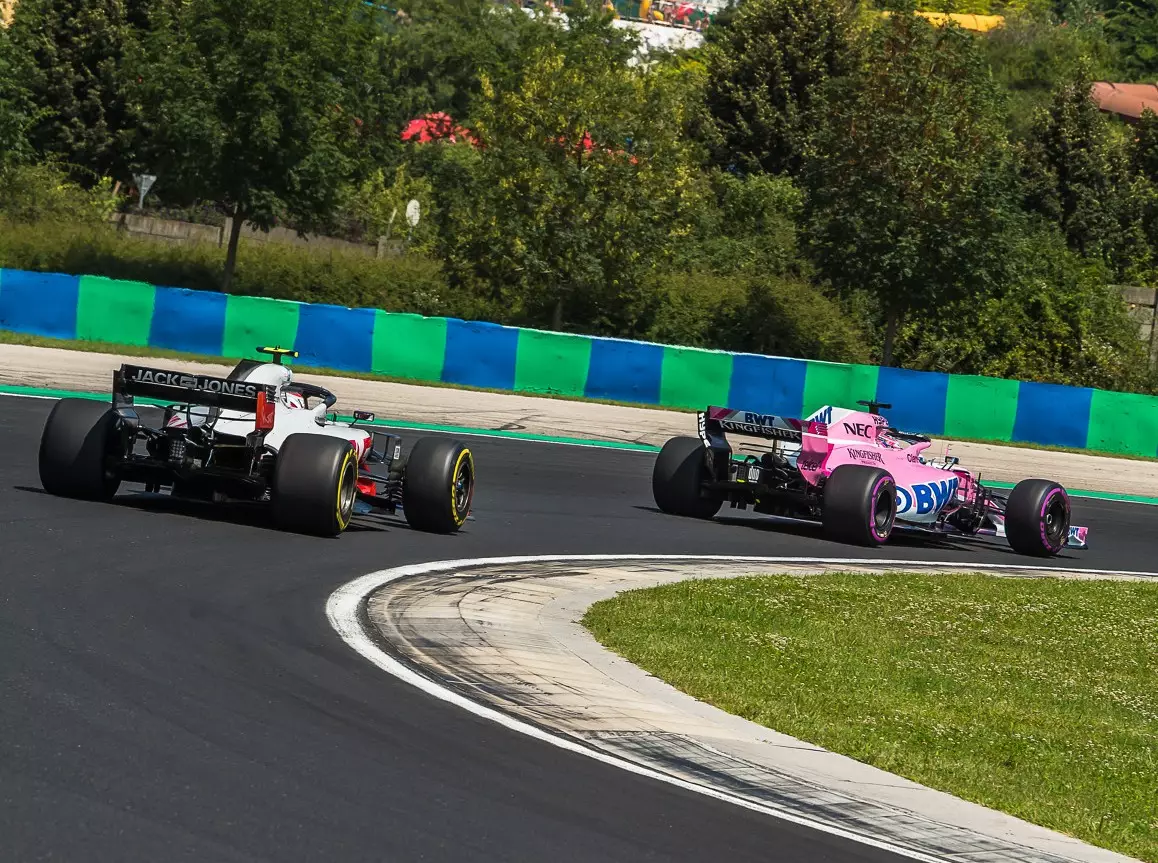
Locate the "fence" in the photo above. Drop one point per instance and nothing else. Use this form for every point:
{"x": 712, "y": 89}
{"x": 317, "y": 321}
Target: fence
{"x": 477, "y": 354}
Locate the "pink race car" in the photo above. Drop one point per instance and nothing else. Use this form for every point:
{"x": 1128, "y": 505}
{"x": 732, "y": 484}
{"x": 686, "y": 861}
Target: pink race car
{"x": 860, "y": 478}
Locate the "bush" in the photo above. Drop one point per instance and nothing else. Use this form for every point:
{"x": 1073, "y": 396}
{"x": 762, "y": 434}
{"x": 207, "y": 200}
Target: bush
{"x": 405, "y": 283}
{"x": 44, "y": 193}
{"x": 1054, "y": 319}
{"x": 757, "y": 314}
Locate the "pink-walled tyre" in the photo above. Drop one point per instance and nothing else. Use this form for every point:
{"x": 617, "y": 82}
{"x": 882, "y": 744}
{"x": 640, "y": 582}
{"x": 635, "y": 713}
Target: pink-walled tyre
{"x": 860, "y": 505}
{"x": 1037, "y": 518}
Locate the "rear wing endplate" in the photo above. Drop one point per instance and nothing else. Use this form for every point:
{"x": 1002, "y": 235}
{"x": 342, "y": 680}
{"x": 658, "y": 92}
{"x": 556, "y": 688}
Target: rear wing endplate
{"x": 185, "y": 388}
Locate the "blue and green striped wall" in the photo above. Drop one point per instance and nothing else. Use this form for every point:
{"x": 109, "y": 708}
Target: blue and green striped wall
{"x": 477, "y": 354}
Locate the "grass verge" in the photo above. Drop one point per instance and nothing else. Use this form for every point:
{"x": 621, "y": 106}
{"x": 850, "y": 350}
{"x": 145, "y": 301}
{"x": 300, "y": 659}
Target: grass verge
{"x": 1037, "y": 697}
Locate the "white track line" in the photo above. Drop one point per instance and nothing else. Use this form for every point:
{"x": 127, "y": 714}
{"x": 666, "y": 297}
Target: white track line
{"x": 344, "y": 606}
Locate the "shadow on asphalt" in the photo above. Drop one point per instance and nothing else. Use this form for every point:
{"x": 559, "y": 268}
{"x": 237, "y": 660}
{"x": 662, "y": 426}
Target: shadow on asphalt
{"x": 900, "y": 539}
{"x": 256, "y": 516}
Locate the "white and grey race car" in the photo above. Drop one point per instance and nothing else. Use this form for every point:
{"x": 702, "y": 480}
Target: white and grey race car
{"x": 256, "y": 435}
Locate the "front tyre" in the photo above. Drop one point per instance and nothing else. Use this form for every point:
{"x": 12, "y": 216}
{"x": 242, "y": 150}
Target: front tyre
{"x": 78, "y": 439}
{"x": 438, "y": 485}
{"x": 1037, "y": 518}
{"x": 860, "y": 505}
{"x": 315, "y": 483}
{"x": 678, "y": 478}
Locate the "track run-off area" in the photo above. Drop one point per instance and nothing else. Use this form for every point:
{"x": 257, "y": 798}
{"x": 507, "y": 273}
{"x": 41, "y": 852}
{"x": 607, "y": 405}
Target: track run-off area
{"x": 173, "y": 689}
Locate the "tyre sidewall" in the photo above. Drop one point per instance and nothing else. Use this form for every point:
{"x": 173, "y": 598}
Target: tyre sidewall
{"x": 677, "y": 479}
{"x": 311, "y": 484}
{"x": 79, "y": 436}
{"x": 1025, "y": 517}
{"x": 429, "y": 485}
{"x": 851, "y": 504}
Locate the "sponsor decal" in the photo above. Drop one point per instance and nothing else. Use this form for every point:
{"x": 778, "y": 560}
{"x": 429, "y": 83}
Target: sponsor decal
{"x": 858, "y": 429}
{"x": 866, "y": 455}
{"x": 760, "y": 430}
{"x": 926, "y": 497}
{"x": 824, "y": 415}
{"x": 702, "y": 428}
{"x": 912, "y": 456}
{"x": 195, "y": 382}
{"x": 809, "y": 463}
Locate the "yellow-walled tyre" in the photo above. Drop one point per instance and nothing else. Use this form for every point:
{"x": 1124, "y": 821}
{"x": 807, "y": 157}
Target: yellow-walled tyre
{"x": 315, "y": 484}
{"x": 438, "y": 485}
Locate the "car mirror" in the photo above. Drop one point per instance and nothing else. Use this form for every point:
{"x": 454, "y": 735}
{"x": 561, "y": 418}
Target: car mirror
{"x": 364, "y": 416}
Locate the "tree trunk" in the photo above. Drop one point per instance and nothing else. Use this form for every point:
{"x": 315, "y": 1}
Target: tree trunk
{"x": 892, "y": 322}
{"x": 557, "y": 314}
{"x": 231, "y": 252}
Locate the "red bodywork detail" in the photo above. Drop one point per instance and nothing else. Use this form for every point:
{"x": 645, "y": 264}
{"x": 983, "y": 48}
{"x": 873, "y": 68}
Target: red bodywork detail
{"x": 265, "y": 413}
{"x": 366, "y": 486}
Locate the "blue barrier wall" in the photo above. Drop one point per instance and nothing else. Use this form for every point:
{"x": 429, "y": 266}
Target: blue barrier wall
{"x": 471, "y": 353}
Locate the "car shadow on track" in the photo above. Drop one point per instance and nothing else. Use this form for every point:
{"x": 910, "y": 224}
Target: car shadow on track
{"x": 900, "y": 539}
{"x": 256, "y": 516}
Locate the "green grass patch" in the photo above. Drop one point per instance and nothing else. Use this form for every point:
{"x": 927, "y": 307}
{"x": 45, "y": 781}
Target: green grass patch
{"x": 1038, "y": 697}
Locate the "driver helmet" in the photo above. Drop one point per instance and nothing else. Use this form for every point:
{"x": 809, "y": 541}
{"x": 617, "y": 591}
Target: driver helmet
{"x": 294, "y": 400}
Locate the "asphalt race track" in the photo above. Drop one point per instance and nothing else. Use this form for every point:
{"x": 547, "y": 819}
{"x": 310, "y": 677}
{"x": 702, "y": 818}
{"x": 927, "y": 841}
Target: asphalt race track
{"x": 171, "y": 689}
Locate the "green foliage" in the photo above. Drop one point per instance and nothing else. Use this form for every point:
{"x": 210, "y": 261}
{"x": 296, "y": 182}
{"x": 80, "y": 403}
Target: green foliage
{"x": 765, "y": 61}
{"x": 262, "y": 106}
{"x": 42, "y": 192}
{"x": 906, "y": 176}
{"x": 1031, "y": 56}
{"x": 1053, "y": 318}
{"x": 756, "y": 313}
{"x": 408, "y": 283}
{"x": 575, "y": 194}
{"x": 70, "y": 55}
{"x": 747, "y": 225}
{"x": 379, "y": 208}
{"x": 1077, "y": 173}
{"x": 439, "y": 52}
{"x": 1132, "y": 26}
{"x": 15, "y": 109}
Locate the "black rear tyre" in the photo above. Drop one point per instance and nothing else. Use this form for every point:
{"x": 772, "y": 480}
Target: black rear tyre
{"x": 678, "y": 478}
{"x": 78, "y": 439}
{"x": 315, "y": 483}
{"x": 1037, "y": 518}
{"x": 438, "y": 485}
{"x": 860, "y": 505}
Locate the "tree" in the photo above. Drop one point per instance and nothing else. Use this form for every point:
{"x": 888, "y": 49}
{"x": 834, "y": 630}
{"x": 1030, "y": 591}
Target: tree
{"x": 262, "y": 107}
{"x": 15, "y": 110}
{"x": 70, "y": 55}
{"x": 766, "y": 59}
{"x": 1032, "y": 55}
{"x": 1132, "y": 27}
{"x": 907, "y": 173}
{"x": 575, "y": 191}
{"x": 1077, "y": 174}
{"x": 1052, "y": 318}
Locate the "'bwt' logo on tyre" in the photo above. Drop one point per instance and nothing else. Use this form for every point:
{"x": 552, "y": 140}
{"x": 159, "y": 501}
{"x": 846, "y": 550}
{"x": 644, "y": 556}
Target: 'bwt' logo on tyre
{"x": 926, "y": 497}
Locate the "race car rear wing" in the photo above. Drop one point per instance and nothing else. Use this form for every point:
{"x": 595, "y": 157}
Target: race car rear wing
{"x": 185, "y": 388}
{"x": 715, "y": 421}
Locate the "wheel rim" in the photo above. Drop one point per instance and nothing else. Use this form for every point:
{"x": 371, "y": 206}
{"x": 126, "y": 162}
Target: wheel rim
{"x": 1055, "y": 519}
{"x": 347, "y": 492}
{"x": 884, "y": 509}
{"x": 463, "y": 486}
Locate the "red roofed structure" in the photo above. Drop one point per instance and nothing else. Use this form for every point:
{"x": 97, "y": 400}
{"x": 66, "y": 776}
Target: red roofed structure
{"x": 1128, "y": 101}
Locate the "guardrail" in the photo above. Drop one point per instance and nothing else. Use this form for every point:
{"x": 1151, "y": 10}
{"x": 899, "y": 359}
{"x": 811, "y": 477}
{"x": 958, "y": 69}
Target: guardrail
{"x": 471, "y": 353}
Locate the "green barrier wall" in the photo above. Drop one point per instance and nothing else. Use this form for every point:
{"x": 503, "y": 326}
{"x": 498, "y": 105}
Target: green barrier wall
{"x": 470, "y": 353}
